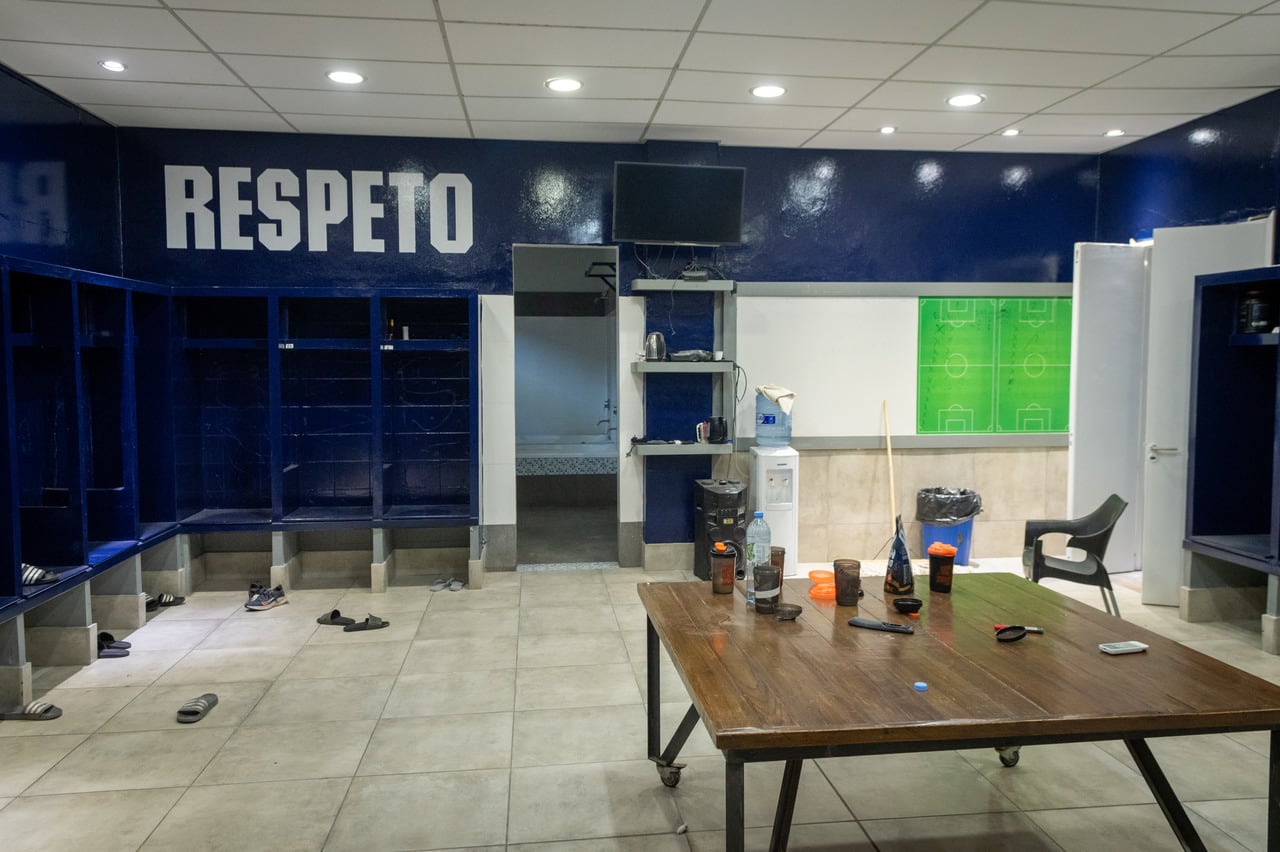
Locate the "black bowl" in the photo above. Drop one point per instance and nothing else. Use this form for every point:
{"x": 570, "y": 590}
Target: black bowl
{"x": 907, "y": 606}
{"x": 789, "y": 612}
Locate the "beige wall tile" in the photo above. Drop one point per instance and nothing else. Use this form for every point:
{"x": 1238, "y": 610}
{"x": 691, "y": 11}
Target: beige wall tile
{"x": 813, "y": 542}
{"x": 1011, "y": 482}
{"x": 858, "y": 487}
{"x": 1055, "y": 491}
{"x": 814, "y": 491}
{"x": 997, "y": 539}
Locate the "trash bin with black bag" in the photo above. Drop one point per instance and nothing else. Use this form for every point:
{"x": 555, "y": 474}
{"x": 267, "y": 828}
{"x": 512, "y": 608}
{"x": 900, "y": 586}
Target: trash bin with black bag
{"x": 946, "y": 515}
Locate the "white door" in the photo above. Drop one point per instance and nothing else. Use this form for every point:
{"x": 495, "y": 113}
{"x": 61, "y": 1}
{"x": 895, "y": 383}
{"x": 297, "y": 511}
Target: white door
{"x": 1177, "y": 257}
{"x": 1109, "y": 294}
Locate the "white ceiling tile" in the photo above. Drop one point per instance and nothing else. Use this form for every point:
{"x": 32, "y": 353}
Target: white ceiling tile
{"x": 56, "y": 60}
{"x": 617, "y": 14}
{"x": 369, "y": 126}
{"x": 406, "y": 9}
{"x": 1138, "y": 101}
{"x": 745, "y": 115}
{"x": 1231, "y": 6}
{"x": 868, "y": 20}
{"x": 526, "y": 81}
{"x": 1014, "y": 67}
{"x": 1046, "y": 144}
{"x": 1202, "y": 71}
{"x": 81, "y": 23}
{"x": 1097, "y": 125}
{"x": 591, "y": 110}
{"x": 1256, "y": 34}
{"x": 519, "y": 45}
{"x": 846, "y": 139}
{"x": 552, "y": 131}
{"x": 297, "y": 72}
{"x": 736, "y": 88}
{"x": 191, "y": 119}
{"x": 898, "y": 94}
{"x": 153, "y": 3}
{"x": 177, "y": 95}
{"x": 816, "y": 58}
{"x": 1273, "y": 9}
{"x": 345, "y": 38}
{"x": 1037, "y": 26}
{"x": 748, "y": 137}
{"x": 362, "y": 103}
{"x": 911, "y": 121}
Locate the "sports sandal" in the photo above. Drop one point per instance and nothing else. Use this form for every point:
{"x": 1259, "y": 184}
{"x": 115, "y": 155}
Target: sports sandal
{"x": 35, "y": 576}
{"x": 370, "y": 623}
{"x": 106, "y": 652}
{"x": 112, "y": 642}
{"x": 335, "y": 618}
{"x": 36, "y": 711}
{"x": 195, "y": 709}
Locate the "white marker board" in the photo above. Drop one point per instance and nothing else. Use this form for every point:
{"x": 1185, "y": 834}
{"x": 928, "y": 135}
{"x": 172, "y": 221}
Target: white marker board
{"x": 842, "y": 356}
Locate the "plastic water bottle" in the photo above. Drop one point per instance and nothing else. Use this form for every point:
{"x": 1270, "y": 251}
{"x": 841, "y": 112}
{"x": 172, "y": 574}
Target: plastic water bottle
{"x": 757, "y": 552}
{"x": 773, "y": 425}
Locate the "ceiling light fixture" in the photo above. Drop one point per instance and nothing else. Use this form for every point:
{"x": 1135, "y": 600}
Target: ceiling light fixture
{"x": 768, "y": 91}
{"x": 113, "y": 65}
{"x": 1011, "y": 131}
{"x": 966, "y": 100}
{"x": 563, "y": 84}
{"x": 1115, "y": 132}
{"x": 887, "y": 129}
{"x": 347, "y": 78}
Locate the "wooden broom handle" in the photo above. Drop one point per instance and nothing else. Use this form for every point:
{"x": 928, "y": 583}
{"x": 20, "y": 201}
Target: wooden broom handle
{"x": 893, "y": 493}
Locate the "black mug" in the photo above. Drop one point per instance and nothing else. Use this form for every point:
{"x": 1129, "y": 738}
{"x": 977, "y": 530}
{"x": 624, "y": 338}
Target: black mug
{"x": 717, "y": 431}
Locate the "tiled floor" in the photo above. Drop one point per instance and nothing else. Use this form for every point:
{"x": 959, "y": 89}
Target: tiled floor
{"x": 512, "y": 718}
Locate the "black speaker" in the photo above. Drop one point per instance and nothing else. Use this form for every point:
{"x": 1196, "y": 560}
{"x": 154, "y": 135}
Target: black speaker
{"x": 719, "y": 514}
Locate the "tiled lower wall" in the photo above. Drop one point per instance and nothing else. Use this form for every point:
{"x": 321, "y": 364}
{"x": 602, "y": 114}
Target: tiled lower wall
{"x": 844, "y": 496}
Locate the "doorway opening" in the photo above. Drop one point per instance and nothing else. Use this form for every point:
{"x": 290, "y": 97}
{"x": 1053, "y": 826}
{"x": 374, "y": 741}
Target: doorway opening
{"x": 566, "y": 409}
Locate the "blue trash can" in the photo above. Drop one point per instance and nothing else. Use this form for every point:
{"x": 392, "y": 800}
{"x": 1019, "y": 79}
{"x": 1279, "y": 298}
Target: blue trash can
{"x": 946, "y": 515}
{"x": 958, "y": 536}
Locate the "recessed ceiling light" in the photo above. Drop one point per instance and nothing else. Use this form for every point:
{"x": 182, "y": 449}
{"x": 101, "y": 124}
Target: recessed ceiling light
{"x": 563, "y": 84}
{"x": 887, "y": 129}
{"x": 768, "y": 91}
{"x": 349, "y": 78}
{"x": 1011, "y": 131}
{"x": 113, "y": 65}
{"x": 1115, "y": 132}
{"x": 966, "y": 100}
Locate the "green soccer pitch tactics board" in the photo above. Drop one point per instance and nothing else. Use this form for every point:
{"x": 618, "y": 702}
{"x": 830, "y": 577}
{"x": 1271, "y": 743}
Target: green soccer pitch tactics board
{"x": 993, "y": 365}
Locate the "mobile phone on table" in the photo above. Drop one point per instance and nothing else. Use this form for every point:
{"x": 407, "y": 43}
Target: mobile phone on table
{"x": 1122, "y": 647}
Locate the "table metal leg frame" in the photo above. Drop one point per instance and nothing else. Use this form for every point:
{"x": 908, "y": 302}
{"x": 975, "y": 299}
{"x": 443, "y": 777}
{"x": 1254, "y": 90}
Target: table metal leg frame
{"x": 1165, "y": 797}
{"x": 1273, "y": 793}
{"x": 668, "y": 769}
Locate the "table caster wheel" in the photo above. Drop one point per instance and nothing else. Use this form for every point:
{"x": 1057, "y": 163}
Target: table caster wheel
{"x": 1008, "y": 755}
{"x": 670, "y": 775}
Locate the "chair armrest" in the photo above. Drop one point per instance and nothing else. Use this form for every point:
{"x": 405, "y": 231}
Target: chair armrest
{"x": 1036, "y": 529}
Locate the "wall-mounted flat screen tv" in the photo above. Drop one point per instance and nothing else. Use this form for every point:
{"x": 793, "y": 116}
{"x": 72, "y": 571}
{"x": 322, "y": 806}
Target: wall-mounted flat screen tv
{"x": 680, "y": 205}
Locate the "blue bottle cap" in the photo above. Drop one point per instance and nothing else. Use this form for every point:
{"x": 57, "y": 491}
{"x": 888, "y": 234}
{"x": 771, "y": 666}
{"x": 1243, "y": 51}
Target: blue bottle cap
{"x": 921, "y": 686}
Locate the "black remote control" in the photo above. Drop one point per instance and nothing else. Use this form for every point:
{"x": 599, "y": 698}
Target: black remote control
{"x": 887, "y": 626}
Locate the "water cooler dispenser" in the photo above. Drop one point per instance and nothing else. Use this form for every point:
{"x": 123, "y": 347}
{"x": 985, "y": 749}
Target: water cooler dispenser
{"x": 775, "y": 479}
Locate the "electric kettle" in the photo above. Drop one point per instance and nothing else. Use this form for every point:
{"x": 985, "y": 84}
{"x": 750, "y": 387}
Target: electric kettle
{"x": 655, "y": 347}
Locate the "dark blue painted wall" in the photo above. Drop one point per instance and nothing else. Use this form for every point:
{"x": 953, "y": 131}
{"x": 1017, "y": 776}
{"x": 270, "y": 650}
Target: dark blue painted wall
{"x": 1222, "y": 168}
{"x": 58, "y": 189}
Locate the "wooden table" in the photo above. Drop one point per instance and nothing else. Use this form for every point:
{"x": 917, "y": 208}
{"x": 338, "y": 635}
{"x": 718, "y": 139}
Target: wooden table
{"x": 772, "y": 690}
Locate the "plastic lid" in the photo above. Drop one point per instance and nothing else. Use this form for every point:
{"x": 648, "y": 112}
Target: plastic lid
{"x": 759, "y": 514}
{"x": 939, "y": 548}
{"x": 920, "y": 686}
{"x": 718, "y": 547}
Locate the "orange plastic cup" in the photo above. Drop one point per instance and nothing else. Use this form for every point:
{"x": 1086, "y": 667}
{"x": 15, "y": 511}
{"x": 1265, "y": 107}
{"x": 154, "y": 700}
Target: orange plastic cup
{"x": 823, "y": 591}
{"x": 822, "y": 576}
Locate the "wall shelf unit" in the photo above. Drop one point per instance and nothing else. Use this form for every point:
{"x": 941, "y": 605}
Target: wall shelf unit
{"x": 682, "y": 449}
{"x": 677, "y": 285}
{"x": 682, "y": 366}
{"x": 1233, "y": 505}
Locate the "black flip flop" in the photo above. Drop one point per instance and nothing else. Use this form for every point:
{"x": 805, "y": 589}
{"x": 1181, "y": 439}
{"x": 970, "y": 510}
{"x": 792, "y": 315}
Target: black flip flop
{"x": 113, "y": 642}
{"x": 335, "y": 618}
{"x": 370, "y": 623}
{"x": 106, "y": 652}
{"x": 196, "y": 709}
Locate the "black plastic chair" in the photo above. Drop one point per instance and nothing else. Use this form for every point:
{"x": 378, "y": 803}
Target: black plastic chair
{"x": 1091, "y": 534}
